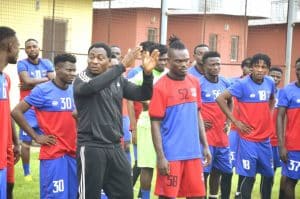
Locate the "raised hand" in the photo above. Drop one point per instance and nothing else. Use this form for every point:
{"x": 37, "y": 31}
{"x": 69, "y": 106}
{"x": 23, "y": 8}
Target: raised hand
{"x": 131, "y": 56}
{"x": 150, "y": 61}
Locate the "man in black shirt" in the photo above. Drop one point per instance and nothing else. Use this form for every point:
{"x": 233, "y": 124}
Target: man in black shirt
{"x": 98, "y": 93}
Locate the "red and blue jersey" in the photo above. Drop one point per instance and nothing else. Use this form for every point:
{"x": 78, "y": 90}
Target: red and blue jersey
{"x": 5, "y": 121}
{"x": 289, "y": 97}
{"x": 253, "y": 106}
{"x": 273, "y": 137}
{"x": 176, "y": 103}
{"x": 54, "y": 107}
{"x": 39, "y": 70}
{"x": 211, "y": 111}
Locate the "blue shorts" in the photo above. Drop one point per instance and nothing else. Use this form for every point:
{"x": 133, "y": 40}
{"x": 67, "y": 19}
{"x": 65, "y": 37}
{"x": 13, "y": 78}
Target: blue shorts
{"x": 233, "y": 144}
{"x": 30, "y": 117}
{"x": 126, "y": 127}
{"x": 220, "y": 159}
{"x": 3, "y": 183}
{"x": 27, "y": 138}
{"x": 276, "y": 157}
{"x": 58, "y": 178}
{"x": 254, "y": 157}
{"x": 292, "y": 168}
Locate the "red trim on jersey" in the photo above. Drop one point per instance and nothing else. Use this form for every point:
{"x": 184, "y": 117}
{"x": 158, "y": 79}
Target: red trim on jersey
{"x": 248, "y": 114}
{"x": 63, "y": 126}
{"x": 292, "y": 135}
{"x": 179, "y": 92}
{"x": 5, "y": 125}
{"x": 23, "y": 94}
{"x": 215, "y": 135}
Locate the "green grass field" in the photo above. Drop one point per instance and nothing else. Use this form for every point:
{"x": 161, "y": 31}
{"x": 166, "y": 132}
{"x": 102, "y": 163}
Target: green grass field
{"x": 25, "y": 190}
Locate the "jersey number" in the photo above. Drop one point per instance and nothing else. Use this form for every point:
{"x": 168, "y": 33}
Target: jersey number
{"x": 294, "y": 165}
{"x": 184, "y": 93}
{"x": 66, "y": 103}
{"x": 262, "y": 95}
{"x": 58, "y": 186}
{"x": 246, "y": 164}
{"x": 38, "y": 74}
{"x": 216, "y": 93}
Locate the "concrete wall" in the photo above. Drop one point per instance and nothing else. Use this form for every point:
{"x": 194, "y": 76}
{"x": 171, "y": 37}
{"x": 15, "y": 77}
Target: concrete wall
{"x": 192, "y": 30}
{"x": 124, "y": 27}
{"x": 271, "y": 39}
{"x": 128, "y": 27}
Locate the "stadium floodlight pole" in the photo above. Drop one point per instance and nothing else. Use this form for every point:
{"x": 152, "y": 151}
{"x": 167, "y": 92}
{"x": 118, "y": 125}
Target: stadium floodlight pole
{"x": 289, "y": 41}
{"x": 164, "y": 22}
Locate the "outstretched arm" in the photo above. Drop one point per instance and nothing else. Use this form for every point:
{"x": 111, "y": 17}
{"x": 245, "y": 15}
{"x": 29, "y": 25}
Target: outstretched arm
{"x": 143, "y": 92}
{"x": 85, "y": 86}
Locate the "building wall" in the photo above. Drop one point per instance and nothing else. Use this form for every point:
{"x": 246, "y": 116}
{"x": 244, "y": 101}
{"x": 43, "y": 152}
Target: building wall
{"x": 28, "y": 21}
{"x": 128, "y": 27}
{"x": 124, "y": 27}
{"x": 188, "y": 28}
{"x": 271, "y": 39}
{"x": 192, "y": 30}
{"x": 147, "y": 18}
{"x": 296, "y": 50}
{"x": 116, "y": 27}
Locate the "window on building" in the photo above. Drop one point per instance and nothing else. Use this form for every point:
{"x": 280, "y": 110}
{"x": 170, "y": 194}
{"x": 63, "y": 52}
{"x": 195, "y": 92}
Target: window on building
{"x": 152, "y": 34}
{"x": 234, "y": 48}
{"x": 54, "y": 41}
{"x": 213, "y": 41}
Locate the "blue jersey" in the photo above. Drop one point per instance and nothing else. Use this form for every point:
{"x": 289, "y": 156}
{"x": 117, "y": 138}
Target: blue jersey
{"x": 253, "y": 105}
{"x": 211, "y": 112}
{"x": 131, "y": 73}
{"x": 54, "y": 107}
{"x": 195, "y": 72}
{"x": 289, "y": 97}
{"x": 39, "y": 70}
{"x": 177, "y": 103}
